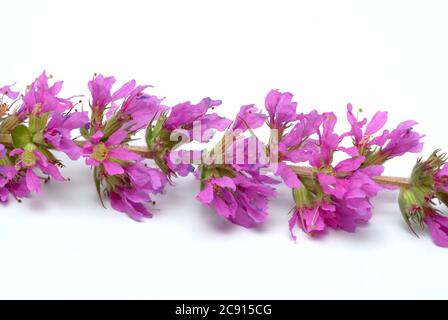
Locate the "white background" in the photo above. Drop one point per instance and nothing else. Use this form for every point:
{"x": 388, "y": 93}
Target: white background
{"x": 387, "y": 55}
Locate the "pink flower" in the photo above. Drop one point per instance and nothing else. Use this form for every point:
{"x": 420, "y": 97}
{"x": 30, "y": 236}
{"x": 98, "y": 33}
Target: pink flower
{"x": 438, "y": 227}
{"x": 11, "y": 183}
{"x": 297, "y": 145}
{"x": 58, "y": 132}
{"x": 180, "y": 166}
{"x": 108, "y": 152}
{"x": 385, "y": 146}
{"x": 311, "y": 219}
{"x": 403, "y": 140}
{"x": 280, "y": 109}
{"x": 131, "y": 195}
{"x": 138, "y": 109}
{"x": 184, "y": 116}
{"x": 441, "y": 178}
{"x": 242, "y": 199}
{"x": 29, "y": 161}
{"x": 339, "y": 195}
{"x": 237, "y": 191}
{"x": 342, "y": 203}
{"x": 101, "y": 89}
{"x": 135, "y": 112}
{"x": 249, "y": 117}
{"x": 41, "y": 98}
{"x": 7, "y": 91}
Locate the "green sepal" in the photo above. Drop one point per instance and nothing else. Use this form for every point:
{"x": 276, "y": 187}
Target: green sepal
{"x": 38, "y": 138}
{"x": 85, "y": 133}
{"x": 303, "y": 198}
{"x": 160, "y": 162}
{"x": 38, "y": 122}
{"x": 153, "y": 132}
{"x": 5, "y": 161}
{"x": 206, "y": 173}
{"x": 96, "y": 178}
{"x": 21, "y": 135}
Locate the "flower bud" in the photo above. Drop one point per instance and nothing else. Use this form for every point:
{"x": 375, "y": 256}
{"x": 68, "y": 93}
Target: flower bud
{"x": 412, "y": 202}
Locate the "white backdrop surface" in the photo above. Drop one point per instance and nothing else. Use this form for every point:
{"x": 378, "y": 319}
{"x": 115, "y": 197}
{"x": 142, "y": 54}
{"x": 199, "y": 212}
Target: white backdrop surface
{"x": 378, "y": 55}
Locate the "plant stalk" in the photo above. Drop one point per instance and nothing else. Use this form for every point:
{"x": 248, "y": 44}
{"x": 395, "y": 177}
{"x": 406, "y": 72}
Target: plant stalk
{"x": 300, "y": 170}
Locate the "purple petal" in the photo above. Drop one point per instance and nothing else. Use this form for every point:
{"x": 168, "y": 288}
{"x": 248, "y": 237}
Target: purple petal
{"x": 112, "y": 168}
{"x": 33, "y": 181}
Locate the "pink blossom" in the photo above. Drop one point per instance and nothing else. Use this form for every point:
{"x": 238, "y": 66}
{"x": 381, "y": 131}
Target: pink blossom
{"x": 7, "y": 91}
{"x": 339, "y": 197}
{"x": 345, "y": 202}
{"x": 11, "y": 183}
{"x": 131, "y": 195}
{"x": 185, "y": 116}
{"x": 58, "y": 132}
{"x": 242, "y": 199}
{"x": 249, "y": 117}
{"x": 108, "y": 152}
{"x": 385, "y": 146}
{"x": 238, "y": 192}
{"x": 139, "y": 109}
{"x": 281, "y": 109}
{"x": 101, "y": 90}
{"x": 41, "y": 98}
{"x": 438, "y": 227}
{"x": 403, "y": 140}
{"x": 441, "y": 178}
{"x": 29, "y": 161}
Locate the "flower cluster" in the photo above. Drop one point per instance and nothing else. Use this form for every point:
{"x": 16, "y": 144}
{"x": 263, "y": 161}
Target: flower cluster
{"x": 182, "y": 124}
{"x": 120, "y": 173}
{"x": 43, "y": 121}
{"x": 236, "y": 187}
{"x": 331, "y": 193}
{"x": 429, "y": 182}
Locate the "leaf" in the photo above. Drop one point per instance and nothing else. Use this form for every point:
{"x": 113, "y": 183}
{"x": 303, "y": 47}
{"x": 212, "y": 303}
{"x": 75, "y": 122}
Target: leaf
{"x": 21, "y": 136}
{"x": 154, "y": 132}
{"x": 98, "y": 185}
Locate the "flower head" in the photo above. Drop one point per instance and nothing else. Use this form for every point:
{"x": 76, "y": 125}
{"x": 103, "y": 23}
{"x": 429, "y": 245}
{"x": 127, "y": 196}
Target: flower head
{"x": 237, "y": 189}
{"x": 58, "y": 132}
{"x": 182, "y": 124}
{"x": 130, "y": 191}
{"x": 248, "y": 118}
{"x": 108, "y": 152}
{"x": 41, "y": 98}
{"x": 381, "y": 148}
{"x": 185, "y": 116}
{"x": 281, "y": 109}
{"x": 31, "y": 161}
